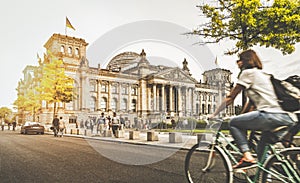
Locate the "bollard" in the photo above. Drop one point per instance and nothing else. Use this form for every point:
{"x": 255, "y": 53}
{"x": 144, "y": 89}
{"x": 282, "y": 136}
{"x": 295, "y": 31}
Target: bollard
{"x": 152, "y": 136}
{"x": 175, "y": 137}
{"x": 133, "y": 135}
{"x": 120, "y": 133}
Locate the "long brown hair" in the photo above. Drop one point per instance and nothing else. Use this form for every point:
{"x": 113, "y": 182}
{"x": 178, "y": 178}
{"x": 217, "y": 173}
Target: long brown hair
{"x": 250, "y": 59}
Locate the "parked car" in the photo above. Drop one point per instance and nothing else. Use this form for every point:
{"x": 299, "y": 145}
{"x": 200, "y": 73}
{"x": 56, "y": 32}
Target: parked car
{"x": 32, "y": 128}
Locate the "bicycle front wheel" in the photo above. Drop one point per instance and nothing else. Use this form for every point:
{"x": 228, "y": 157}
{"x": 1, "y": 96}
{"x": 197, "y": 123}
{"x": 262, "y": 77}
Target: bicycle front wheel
{"x": 286, "y": 170}
{"x": 206, "y": 165}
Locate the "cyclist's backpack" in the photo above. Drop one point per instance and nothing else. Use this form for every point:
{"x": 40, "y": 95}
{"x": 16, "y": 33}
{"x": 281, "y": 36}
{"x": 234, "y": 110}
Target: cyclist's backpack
{"x": 288, "y": 92}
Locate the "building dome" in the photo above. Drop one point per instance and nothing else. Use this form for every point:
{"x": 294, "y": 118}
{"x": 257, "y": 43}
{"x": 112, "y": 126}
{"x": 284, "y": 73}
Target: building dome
{"x": 123, "y": 60}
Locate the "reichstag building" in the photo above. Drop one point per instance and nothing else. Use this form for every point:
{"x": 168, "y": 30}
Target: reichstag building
{"x": 130, "y": 86}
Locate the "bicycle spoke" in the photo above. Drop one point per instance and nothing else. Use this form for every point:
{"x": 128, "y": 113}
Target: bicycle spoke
{"x": 286, "y": 170}
{"x": 200, "y": 168}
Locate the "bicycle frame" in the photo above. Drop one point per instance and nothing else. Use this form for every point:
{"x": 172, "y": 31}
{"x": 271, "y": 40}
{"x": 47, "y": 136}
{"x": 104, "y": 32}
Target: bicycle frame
{"x": 218, "y": 143}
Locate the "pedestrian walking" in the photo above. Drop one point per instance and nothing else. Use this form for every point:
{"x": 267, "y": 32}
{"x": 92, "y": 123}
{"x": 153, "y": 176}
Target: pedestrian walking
{"x": 100, "y": 124}
{"x": 115, "y": 123}
{"x": 61, "y": 126}
{"x": 55, "y": 124}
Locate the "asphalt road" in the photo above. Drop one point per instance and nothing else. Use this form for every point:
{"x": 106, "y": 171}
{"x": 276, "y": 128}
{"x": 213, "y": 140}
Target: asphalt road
{"x": 44, "y": 158}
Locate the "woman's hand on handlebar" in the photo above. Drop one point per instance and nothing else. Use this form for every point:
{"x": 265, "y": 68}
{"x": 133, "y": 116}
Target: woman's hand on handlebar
{"x": 210, "y": 116}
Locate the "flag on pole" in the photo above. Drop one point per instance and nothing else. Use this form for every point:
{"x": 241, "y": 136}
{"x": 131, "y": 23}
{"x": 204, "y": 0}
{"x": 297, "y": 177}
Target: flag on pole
{"x": 68, "y": 24}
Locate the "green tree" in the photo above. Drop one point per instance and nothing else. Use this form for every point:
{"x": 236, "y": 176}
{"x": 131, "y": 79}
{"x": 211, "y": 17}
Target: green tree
{"x": 251, "y": 22}
{"x": 32, "y": 103}
{"x": 55, "y": 85}
{"x": 5, "y": 113}
{"x": 28, "y": 100}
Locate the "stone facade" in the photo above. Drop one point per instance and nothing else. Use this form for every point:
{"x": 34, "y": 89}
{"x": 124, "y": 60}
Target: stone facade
{"x": 131, "y": 86}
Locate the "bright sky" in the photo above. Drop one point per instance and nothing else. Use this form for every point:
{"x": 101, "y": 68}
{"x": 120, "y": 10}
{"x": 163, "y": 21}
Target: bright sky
{"x": 27, "y": 25}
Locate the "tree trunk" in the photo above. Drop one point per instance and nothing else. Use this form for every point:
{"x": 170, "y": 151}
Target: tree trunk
{"x": 54, "y": 110}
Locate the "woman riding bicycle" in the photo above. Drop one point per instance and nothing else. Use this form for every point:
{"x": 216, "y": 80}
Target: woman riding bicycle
{"x": 268, "y": 114}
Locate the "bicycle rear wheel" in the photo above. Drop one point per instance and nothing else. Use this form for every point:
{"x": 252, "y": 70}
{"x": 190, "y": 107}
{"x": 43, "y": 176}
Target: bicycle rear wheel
{"x": 200, "y": 168}
{"x": 288, "y": 174}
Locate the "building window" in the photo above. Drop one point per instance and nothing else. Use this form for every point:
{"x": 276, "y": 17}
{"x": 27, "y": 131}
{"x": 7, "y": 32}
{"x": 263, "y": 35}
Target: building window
{"x": 203, "y": 97}
{"x": 197, "y": 109}
{"x": 104, "y": 88}
{"x": 114, "y": 89}
{"x": 209, "y": 109}
{"x": 103, "y": 104}
{"x": 114, "y": 104}
{"x": 69, "y": 105}
{"x": 93, "y": 86}
{"x": 124, "y": 90}
{"x": 73, "y": 119}
{"x": 62, "y": 49}
{"x": 92, "y": 104}
{"x": 124, "y": 105}
{"x": 77, "y": 52}
{"x": 134, "y": 91}
{"x": 70, "y": 51}
{"x": 133, "y": 105}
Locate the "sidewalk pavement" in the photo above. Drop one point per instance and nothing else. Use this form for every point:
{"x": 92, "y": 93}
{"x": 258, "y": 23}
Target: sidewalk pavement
{"x": 188, "y": 140}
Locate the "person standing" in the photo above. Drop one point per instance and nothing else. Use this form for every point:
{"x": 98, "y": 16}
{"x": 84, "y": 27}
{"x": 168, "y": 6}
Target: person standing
{"x": 100, "y": 124}
{"x": 92, "y": 123}
{"x": 14, "y": 124}
{"x": 55, "y": 124}
{"x": 2, "y": 124}
{"x": 115, "y": 123}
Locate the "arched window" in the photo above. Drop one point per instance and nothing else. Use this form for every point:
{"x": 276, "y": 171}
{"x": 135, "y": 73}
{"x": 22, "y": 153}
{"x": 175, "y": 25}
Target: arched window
{"x": 77, "y": 52}
{"x": 124, "y": 104}
{"x": 114, "y": 104}
{"x": 203, "y": 109}
{"x": 209, "y": 109}
{"x": 70, "y": 51}
{"x": 103, "y": 104}
{"x": 62, "y": 49}
{"x": 197, "y": 109}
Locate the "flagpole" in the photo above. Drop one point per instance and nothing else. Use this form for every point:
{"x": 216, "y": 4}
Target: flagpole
{"x": 65, "y": 28}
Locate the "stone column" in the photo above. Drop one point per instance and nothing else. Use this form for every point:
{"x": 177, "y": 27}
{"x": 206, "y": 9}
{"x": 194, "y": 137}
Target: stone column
{"x": 84, "y": 91}
{"x": 119, "y": 97}
{"x": 179, "y": 100}
{"x": 149, "y": 99}
{"x": 143, "y": 96}
{"x": 154, "y": 97}
{"x": 109, "y": 96}
{"x": 98, "y": 95}
{"x": 171, "y": 98}
{"x": 129, "y": 98}
{"x": 188, "y": 104}
{"x": 163, "y": 98}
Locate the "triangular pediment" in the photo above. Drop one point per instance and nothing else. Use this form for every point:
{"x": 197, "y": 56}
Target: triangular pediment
{"x": 175, "y": 74}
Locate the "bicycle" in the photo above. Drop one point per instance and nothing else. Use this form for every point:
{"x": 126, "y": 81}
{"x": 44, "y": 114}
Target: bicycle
{"x": 211, "y": 162}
